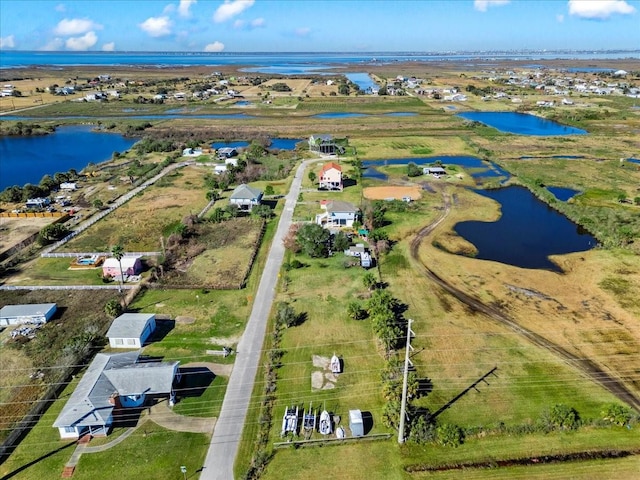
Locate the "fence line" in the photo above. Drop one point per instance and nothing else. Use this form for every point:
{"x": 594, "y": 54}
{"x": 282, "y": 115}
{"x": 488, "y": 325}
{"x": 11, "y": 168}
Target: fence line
{"x": 66, "y": 287}
{"x": 97, "y": 254}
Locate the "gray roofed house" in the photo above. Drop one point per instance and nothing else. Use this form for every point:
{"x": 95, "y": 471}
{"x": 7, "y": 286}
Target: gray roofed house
{"x": 338, "y": 214}
{"x": 245, "y": 197}
{"x": 27, "y": 313}
{"x": 130, "y": 330}
{"x": 113, "y": 380}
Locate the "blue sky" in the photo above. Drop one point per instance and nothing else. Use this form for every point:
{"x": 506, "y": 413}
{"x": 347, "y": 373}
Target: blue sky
{"x": 318, "y": 26}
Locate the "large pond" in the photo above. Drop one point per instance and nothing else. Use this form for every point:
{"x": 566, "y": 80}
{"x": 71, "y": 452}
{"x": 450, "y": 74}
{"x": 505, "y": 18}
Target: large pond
{"x": 364, "y": 81}
{"x": 476, "y": 167}
{"x": 28, "y": 159}
{"x": 527, "y": 233}
{"x": 521, "y": 123}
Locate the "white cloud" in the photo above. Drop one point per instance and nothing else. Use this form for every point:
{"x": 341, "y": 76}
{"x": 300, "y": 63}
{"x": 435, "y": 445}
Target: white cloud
{"x": 55, "y": 44}
{"x": 483, "y": 5}
{"x": 156, "y": 26}
{"x": 7, "y": 42}
{"x": 560, "y": 18}
{"x": 61, "y": 7}
{"x": 238, "y": 23}
{"x": 599, "y": 9}
{"x": 183, "y": 8}
{"x": 257, "y": 22}
{"x": 231, "y": 8}
{"x": 75, "y": 26}
{"x": 109, "y": 47}
{"x": 214, "y": 47}
{"x": 302, "y": 31}
{"x": 84, "y": 42}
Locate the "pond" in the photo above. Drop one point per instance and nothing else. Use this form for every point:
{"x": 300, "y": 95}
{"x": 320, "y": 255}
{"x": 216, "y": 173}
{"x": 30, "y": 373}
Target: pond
{"x": 28, "y": 159}
{"x": 364, "y": 82}
{"x": 527, "y": 232}
{"x": 521, "y": 123}
{"x": 563, "y": 193}
{"x": 479, "y": 169}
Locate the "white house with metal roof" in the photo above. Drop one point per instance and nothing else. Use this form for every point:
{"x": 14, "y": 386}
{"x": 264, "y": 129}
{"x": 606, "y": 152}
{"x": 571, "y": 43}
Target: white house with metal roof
{"x": 28, "y": 313}
{"x": 131, "y": 330}
{"x": 112, "y": 383}
{"x": 337, "y": 214}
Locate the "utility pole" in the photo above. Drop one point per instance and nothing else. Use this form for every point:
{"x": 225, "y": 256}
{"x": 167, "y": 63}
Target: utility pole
{"x": 405, "y": 381}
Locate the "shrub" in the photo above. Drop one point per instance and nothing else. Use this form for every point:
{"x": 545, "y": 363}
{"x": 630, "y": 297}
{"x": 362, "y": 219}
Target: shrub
{"x": 449, "y": 435}
{"x": 617, "y": 414}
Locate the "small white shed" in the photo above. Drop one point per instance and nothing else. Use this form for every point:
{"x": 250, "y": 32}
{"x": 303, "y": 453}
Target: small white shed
{"x": 131, "y": 330}
{"x": 355, "y": 423}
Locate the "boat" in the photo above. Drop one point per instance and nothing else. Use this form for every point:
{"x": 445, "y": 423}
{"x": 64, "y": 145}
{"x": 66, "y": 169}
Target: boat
{"x": 340, "y": 433}
{"x": 290, "y": 421}
{"x": 335, "y": 364}
{"x": 324, "y": 426}
{"x": 309, "y": 419}
{"x": 309, "y": 422}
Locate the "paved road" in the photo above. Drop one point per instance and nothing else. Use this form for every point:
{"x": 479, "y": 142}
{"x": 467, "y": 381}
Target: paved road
{"x": 226, "y": 437}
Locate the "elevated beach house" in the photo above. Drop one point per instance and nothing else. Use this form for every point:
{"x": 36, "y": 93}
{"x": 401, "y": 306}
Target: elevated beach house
{"x": 337, "y": 214}
{"x": 131, "y": 330}
{"x": 330, "y": 177}
{"x": 245, "y": 197}
{"x": 113, "y": 383}
{"x": 30, "y": 313}
{"x": 323, "y": 144}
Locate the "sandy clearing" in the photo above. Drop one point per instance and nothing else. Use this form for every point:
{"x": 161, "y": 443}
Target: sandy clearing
{"x": 398, "y": 193}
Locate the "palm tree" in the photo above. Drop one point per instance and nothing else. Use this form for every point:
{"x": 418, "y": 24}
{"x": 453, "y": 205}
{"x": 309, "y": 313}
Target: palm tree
{"x": 118, "y": 252}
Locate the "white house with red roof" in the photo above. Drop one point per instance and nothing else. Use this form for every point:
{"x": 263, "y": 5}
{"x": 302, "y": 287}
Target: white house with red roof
{"x": 330, "y": 177}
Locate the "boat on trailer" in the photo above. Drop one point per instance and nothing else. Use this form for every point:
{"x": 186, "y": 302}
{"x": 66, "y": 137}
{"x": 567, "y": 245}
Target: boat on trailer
{"x": 309, "y": 419}
{"x": 340, "y": 433}
{"x": 290, "y": 421}
{"x": 324, "y": 426}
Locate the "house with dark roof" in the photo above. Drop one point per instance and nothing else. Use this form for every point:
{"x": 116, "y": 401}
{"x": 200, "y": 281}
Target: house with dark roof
{"x": 337, "y": 214}
{"x": 113, "y": 383}
{"x": 330, "y": 177}
{"x": 131, "y": 330}
{"x": 245, "y": 197}
{"x": 29, "y": 313}
{"x": 323, "y": 144}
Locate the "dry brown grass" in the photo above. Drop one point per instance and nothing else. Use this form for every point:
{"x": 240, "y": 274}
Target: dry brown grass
{"x": 139, "y": 223}
{"x": 572, "y": 310}
{"x": 15, "y": 230}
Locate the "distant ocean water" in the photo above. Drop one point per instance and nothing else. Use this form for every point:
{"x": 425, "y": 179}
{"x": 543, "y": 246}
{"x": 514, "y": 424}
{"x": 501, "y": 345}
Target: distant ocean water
{"x": 15, "y": 59}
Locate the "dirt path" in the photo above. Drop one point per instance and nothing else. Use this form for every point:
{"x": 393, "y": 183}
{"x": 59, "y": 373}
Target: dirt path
{"x": 593, "y": 371}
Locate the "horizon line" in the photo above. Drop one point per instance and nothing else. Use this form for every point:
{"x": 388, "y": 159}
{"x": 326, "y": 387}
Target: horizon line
{"x": 341, "y": 52}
